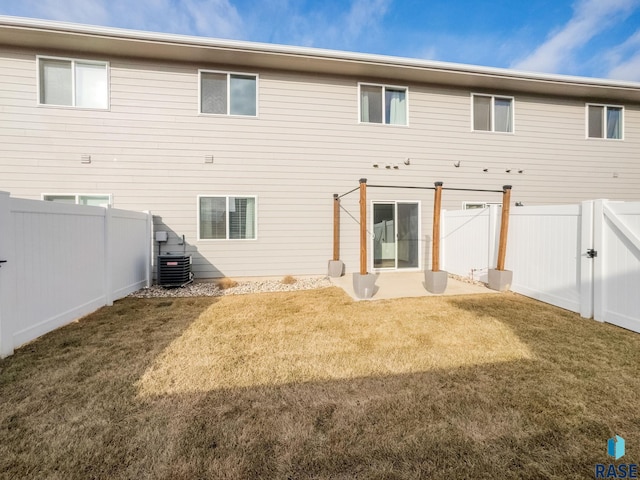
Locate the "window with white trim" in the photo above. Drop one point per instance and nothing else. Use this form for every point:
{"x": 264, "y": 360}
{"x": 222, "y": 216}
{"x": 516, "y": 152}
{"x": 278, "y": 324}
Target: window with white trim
{"x": 492, "y": 113}
{"x": 98, "y": 200}
{"x": 605, "y": 121}
{"x": 227, "y": 217}
{"x": 383, "y": 104}
{"x": 476, "y": 205}
{"x": 223, "y": 93}
{"x": 73, "y": 83}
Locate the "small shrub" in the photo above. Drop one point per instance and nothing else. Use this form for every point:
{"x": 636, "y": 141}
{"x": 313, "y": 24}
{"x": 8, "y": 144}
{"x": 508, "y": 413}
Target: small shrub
{"x": 225, "y": 283}
{"x": 288, "y": 280}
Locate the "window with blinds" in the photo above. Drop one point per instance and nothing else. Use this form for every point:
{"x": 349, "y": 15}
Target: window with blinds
{"x": 223, "y": 93}
{"x": 227, "y": 217}
{"x": 73, "y": 83}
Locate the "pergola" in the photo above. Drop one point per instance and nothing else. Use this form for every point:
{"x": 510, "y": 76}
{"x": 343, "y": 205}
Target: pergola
{"x": 437, "y": 206}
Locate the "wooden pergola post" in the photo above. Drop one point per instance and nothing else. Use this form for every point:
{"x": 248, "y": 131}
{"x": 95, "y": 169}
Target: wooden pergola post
{"x": 435, "y": 280}
{"x": 504, "y": 226}
{"x": 437, "y": 207}
{"x": 363, "y": 226}
{"x": 336, "y": 227}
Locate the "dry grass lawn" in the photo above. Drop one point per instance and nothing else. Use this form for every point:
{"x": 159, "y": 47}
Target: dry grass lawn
{"x": 313, "y": 385}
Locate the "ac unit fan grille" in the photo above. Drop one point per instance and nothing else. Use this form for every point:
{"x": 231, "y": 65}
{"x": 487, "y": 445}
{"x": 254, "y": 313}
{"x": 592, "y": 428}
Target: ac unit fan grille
{"x": 174, "y": 270}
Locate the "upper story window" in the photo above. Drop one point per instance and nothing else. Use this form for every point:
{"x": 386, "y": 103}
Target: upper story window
{"x": 98, "y": 200}
{"x": 604, "y": 121}
{"x": 73, "y": 83}
{"x": 492, "y": 113}
{"x": 224, "y": 93}
{"x": 383, "y": 104}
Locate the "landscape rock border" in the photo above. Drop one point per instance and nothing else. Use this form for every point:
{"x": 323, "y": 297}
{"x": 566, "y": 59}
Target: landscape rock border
{"x": 211, "y": 289}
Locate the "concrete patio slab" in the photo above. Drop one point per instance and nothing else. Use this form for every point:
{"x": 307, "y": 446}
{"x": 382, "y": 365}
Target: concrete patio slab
{"x": 407, "y": 284}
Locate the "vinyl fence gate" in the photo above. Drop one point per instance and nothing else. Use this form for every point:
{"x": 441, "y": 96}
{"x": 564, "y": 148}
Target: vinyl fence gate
{"x": 584, "y": 258}
{"x": 615, "y": 273}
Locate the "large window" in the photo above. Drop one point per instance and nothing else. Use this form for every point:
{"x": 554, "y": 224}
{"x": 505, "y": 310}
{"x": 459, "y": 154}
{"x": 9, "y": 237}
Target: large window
{"x": 604, "y": 121}
{"x": 98, "y": 200}
{"x": 492, "y": 114}
{"x": 228, "y": 93}
{"x": 383, "y": 104}
{"x": 73, "y": 83}
{"x": 226, "y": 217}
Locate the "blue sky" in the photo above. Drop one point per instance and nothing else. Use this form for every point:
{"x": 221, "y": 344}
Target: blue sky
{"x": 596, "y": 38}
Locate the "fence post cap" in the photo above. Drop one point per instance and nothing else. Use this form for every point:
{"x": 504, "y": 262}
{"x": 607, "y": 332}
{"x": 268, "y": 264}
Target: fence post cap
{"x": 363, "y": 180}
{"x": 506, "y": 187}
{"x": 438, "y": 184}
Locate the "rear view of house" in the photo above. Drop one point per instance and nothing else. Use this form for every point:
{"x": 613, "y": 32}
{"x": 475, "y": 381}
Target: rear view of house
{"x": 239, "y": 147}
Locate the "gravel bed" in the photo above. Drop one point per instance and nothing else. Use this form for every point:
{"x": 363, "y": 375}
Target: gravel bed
{"x": 209, "y": 289}
{"x": 467, "y": 280}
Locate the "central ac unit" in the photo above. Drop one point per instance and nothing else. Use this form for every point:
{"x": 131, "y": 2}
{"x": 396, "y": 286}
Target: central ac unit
{"x": 174, "y": 270}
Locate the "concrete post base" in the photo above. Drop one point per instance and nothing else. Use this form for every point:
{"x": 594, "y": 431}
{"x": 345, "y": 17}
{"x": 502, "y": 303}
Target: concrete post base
{"x": 364, "y": 285}
{"x": 435, "y": 282}
{"x": 336, "y": 268}
{"x": 500, "y": 280}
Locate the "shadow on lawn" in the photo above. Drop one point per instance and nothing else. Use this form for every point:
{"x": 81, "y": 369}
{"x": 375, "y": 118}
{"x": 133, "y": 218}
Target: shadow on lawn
{"x": 67, "y": 406}
{"x": 545, "y": 417}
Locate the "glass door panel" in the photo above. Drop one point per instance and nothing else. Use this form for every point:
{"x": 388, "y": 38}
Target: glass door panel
{"x": 396, "y": 239}
{"x": 407, "y": 235}
{"x": 384, "y": 235}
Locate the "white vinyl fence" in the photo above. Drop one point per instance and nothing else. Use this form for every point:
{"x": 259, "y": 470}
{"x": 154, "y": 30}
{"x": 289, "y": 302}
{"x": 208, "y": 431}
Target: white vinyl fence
{"x": 584, "y": 258}
{"x": 65, "y": 261}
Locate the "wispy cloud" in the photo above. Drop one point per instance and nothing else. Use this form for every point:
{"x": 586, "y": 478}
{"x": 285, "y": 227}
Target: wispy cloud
{"x": 590, "y": 18}
{"x": 363, "y": 16}
{"x": 341, "y": 25}
{"x": 217, "y": 18}
{"x": 628, "y": 70}
{"x": 624, "y": 59}
{"x": 79, "y": 11}
{"x": 213, "y": 17}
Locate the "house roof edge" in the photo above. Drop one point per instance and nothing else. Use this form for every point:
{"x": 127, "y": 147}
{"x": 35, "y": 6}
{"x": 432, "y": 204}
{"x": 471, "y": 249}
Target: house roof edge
{"x": 369, "y": 64}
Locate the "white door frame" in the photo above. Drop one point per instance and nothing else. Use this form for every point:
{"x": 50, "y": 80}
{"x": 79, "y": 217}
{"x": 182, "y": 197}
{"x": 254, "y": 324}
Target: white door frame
{"x": 371, "y": 246}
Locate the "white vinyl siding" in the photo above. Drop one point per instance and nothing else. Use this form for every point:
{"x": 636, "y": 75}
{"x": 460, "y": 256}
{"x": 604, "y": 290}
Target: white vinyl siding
{"x": 383, "y": 104}
{"x": 605, "y": 121}
{"x": 73, "y": 83}
{"x": 492, "y": 113}
{"x": 227, "y": 217}
{"x": 98, "y": 200}
{"x": 223, "y": 93}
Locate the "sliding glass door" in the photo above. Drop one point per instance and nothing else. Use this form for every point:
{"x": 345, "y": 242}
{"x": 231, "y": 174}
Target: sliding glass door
{"x": 396, "y": 235}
